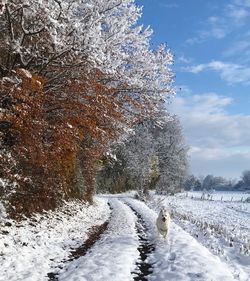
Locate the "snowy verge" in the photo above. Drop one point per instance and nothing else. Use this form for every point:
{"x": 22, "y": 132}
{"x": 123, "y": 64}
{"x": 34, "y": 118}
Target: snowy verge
{"x": 222, "y": 227}
{"x": 32, "y": 248}
{"x": 180, "y": 257}
{"x": 113, "y": 257}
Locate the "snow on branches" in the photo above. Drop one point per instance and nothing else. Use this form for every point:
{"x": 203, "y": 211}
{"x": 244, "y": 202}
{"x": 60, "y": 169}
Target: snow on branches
{"x": 74, "y": 75}
{"x": 48, "y": 35}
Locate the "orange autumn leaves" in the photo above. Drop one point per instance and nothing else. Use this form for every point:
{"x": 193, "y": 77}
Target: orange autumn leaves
{"x": 48, "y": 132}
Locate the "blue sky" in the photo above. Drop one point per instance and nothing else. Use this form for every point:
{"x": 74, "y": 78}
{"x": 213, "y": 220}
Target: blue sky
{"x": 210, "y": 41}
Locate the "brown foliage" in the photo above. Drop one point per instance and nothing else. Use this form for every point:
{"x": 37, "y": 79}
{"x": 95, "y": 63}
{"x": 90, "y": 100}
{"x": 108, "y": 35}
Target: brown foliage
{"x": 46, "y": 133}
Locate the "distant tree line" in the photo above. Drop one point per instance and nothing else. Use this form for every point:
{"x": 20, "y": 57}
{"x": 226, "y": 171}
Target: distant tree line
{"x": 211, "y": 182}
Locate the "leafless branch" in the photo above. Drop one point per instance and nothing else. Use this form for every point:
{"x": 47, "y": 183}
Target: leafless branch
{"x": 53, "y": 58}
{"x": 60, "y": 6}
{"x": 111, "y": 8}
{"x": 26, "y": 32}
{"x": 10, "y": 22}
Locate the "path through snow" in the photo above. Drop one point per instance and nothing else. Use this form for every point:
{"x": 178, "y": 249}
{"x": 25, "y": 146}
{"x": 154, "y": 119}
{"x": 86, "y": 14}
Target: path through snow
{"x": 181, "y": 257}
{"x": 116, "y": 255}
{"x": 113, "y": 257}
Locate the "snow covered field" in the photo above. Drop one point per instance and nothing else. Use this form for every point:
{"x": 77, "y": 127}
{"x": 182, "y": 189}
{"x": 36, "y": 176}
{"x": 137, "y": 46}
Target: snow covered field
{"x": 231, "y": 196}
{"x": 129, "y": 248}
{"x": 221, "y": 226}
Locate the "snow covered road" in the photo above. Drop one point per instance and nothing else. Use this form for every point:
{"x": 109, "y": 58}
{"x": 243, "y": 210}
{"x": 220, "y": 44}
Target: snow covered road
{"x": 128, "y": 249}
{"x": 113, "y": 257}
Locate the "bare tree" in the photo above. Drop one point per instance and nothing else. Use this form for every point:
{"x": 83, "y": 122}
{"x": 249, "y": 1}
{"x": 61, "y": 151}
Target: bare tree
{"x": 246, "y": 178}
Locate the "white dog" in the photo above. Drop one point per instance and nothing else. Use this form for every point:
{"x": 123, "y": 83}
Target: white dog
{"x": 163, "y": 222}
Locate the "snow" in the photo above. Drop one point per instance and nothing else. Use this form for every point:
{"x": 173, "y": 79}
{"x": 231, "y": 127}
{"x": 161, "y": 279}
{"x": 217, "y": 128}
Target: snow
{"x": 34, "y": 247}
{"x": 2, "y": 211}
{"x": 181, "y": 257}
{"x": 231, "y": 196}
{"x": 30, "y": 249}
{"x": 114, "y": 256}
{"x": 223, "y": 227}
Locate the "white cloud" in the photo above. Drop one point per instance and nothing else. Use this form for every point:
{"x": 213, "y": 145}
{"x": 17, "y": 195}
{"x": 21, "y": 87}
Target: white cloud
{"x": 215, "y": 30}
{"x": 217, "y": 153}
{"x": 184, "y": 59}
{"x": 232, "y": 16}
{"x": 237, "y": 13}
{"x": 238, "y": 48}
{"x": 217, "y": 139}
{"x": 244, "y": 3}
{"x": 182, "y": 89}
{"x": 169, "y": 5}
{"x": 230, "y": 72}
{"x": 207, "y": 123}
{"x": 230, "y": 166}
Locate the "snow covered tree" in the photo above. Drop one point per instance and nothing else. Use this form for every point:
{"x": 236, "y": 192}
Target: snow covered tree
{"x": 153, "y": 157}
{"x": 218, "y": 183}
{"x": 172, "y": 155}
{"x": 140, "y": 153}
{"x": 134, "y": 165}
{"x": 208, "y": 182}
{"x": 57, "y": 38}
{"x": 192, "y": 183}
{"x": 73, "y": 76}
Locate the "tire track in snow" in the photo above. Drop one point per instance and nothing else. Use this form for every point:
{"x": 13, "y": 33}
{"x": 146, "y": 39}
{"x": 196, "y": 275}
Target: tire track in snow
{"x": 181, "y": 257}
{"x": 145, "y": 248}
{"x": 95, "y": 234}
{"x": 114, "y": 256}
